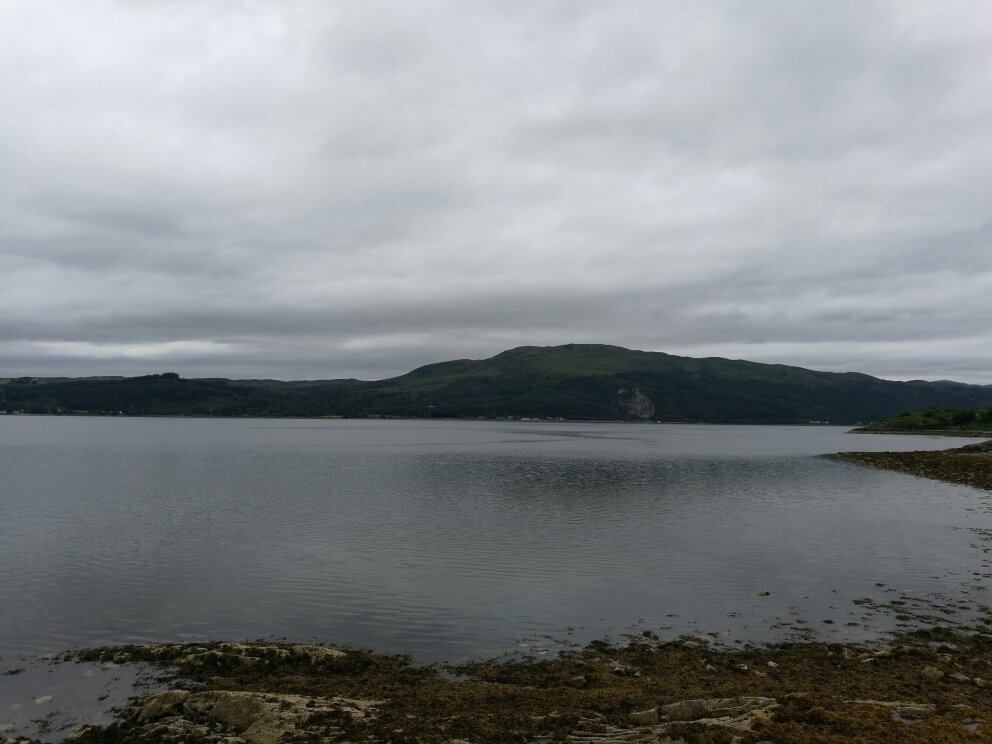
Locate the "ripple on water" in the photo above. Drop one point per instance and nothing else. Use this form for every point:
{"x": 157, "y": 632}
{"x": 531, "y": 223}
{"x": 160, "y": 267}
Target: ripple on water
{"x": 444, "y": 539}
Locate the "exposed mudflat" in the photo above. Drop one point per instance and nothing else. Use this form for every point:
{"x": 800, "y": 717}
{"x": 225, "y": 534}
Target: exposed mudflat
{"x": 970, "y": 465}
{"x": 925, "y": 686}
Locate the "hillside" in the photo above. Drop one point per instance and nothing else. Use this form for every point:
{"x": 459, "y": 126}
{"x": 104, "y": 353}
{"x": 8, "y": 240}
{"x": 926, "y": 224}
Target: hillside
{"x": 572, "y": 382}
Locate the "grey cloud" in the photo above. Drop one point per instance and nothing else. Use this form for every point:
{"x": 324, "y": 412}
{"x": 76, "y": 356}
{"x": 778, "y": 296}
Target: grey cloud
{"x": 324, "y": 190}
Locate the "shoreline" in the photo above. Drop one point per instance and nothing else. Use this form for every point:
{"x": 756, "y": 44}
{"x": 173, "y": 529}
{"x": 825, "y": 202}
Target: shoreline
{"x": 925, "y": 432}
{"x": 922, "y": 686}
{"x": 970, "y": 465}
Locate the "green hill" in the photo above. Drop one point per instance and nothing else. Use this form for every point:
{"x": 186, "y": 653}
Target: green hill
{"x": 573, "y": 381}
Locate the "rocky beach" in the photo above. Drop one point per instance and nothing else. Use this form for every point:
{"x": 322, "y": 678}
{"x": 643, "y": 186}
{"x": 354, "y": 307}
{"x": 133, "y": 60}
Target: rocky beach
{"x": 922, "y": 686}
{"x": 970, "y": 465}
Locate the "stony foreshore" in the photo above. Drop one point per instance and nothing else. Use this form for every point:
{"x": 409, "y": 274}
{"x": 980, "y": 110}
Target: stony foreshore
{"x": 925, "y": 432}
{"x": 970, "y": 465}
{"x": 925, "y": 686}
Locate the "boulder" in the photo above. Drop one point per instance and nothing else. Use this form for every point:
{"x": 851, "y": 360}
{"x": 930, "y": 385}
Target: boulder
{"x": 647, "y": 717}
{"x": 161, "y": 704}
{"x": 932, "y": 674}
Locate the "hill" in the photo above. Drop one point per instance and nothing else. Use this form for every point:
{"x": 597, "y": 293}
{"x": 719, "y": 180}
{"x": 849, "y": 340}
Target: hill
{"x": 574, "y": 381}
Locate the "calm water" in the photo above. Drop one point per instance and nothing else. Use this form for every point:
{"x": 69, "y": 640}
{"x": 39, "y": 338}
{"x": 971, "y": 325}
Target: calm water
{"x": 450, "y": 539}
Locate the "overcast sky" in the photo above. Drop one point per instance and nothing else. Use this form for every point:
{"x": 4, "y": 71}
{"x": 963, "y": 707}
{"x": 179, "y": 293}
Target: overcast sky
{"x": 353, "y": 189}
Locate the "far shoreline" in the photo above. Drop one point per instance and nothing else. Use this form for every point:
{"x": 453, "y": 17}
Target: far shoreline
{"x": 924, "y": 432}
{"x": 506, "y": 420}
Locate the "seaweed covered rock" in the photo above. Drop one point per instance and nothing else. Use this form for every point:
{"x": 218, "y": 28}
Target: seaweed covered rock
{"x": 233, "y": 716}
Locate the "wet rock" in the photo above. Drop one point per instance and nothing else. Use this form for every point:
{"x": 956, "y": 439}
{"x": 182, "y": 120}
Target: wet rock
{"x": 972, "y": 725}
{"x": 645, "y": 717}
{"x": 161, "y": 704}
{"x": 903, "y": 712}
{"x": 623, "y": 670}
{"x": 735, "y": 713}
{"x": 932, "y": 674}
{"x": 656, "y": 725}
{"x": 239, "y": 655}
{"x": 235, "y": 717}
{"x": 913, "y": 713}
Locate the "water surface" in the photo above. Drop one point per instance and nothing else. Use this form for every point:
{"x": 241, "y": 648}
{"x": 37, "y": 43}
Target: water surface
{"x": 450, "y": 539}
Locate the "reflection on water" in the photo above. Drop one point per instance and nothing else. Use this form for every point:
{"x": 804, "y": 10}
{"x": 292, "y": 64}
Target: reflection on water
{"x": 447, "y": 539}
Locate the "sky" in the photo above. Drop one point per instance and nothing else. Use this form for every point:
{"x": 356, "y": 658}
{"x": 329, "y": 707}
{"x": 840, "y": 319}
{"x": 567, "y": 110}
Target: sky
{"x": 312, "y": 190}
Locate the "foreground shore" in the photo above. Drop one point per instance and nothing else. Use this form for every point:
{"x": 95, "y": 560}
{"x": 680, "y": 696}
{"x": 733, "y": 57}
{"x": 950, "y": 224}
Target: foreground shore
{"x": 925, "y": 686}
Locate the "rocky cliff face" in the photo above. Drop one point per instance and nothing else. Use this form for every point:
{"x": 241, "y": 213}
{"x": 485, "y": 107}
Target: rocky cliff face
{"x": 634, "y": 402}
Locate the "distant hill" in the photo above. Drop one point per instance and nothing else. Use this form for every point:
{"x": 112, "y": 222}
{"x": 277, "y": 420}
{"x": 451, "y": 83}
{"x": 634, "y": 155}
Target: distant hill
{"x": 575, "y": 381}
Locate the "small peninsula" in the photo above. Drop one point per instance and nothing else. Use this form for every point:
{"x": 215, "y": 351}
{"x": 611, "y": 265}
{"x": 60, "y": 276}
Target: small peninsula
{"x": 970, "y": 465}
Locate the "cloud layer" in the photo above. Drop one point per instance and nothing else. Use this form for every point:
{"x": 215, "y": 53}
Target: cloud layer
{"x": 317, "y": 190}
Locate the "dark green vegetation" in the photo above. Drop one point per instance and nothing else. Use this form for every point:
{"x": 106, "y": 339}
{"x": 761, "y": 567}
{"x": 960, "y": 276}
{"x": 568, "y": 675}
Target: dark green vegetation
{"x": 937, "y": 419}
{"x": 573, "y": 382}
